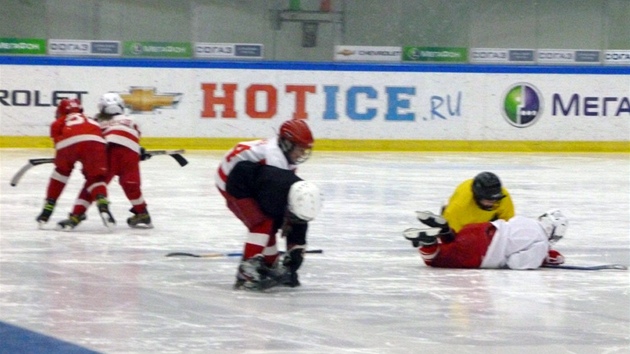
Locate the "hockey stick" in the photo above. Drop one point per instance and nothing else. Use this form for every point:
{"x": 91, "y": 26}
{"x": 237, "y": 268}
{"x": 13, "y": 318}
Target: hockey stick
{"x": 31, "y": 163}
{"x": 222, "y": 255}
{"x": 595, "y": 267}
{"x": 176, "y": 154}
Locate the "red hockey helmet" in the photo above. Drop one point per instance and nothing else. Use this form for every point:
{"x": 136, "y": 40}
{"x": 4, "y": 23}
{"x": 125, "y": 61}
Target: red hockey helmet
{"x": 297, "y": 132}
{"x": 69, "y": 105}
{"x": 293, "y": 134}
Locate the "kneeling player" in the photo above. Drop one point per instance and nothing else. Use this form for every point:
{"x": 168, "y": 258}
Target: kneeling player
{"x": 519, "y": 243}
{"x": 267, "y": 199}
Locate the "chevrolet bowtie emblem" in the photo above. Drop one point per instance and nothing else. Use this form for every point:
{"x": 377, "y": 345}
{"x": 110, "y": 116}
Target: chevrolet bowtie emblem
{"x": 146, "y": 100}
{"x": 346, "y": 52}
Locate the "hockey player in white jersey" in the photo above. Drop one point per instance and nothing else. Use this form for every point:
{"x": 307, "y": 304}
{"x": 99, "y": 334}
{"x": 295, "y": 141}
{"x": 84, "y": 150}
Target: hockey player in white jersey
{"x": 291, "y": 147}
{"x": 282, "y": 201}
{"x": 519, "y": 243}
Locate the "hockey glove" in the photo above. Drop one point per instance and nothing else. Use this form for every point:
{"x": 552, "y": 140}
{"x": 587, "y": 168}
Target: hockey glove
{"x": 143, "y": 154}
{"x": 553, "y": 258}
{"x": 292, "y": 261}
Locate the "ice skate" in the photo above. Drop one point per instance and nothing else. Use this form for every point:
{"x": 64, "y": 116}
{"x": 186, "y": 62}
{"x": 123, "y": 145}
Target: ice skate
{"x": 432, "y": 220}
{"x": 254, "y": 275}
{"x": 140, "y": 220}
{"x": 46, "y": 212}
{"x": 248, "y": 276}
{"x": 103, "y": 210}
{"x": 71, "y": 222}
{"x": 422, "y": 237}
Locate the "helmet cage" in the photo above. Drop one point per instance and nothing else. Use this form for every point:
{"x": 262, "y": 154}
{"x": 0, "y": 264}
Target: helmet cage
{"x": 555, "y": 225}
{"x": 287, "y": 147}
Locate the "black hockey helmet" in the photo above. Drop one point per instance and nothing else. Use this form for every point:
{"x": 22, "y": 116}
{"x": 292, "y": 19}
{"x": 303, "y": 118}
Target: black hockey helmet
{"x": 487, "y": 185}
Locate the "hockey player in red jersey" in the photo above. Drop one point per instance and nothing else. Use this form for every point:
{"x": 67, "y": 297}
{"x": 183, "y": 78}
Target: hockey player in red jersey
{"x": 77, "y": 138}
{"x": 124, "y": 153}
{"x": 519, "y": 243}
{"x": 278, "y": 200}
{"x": 291, "y": 147}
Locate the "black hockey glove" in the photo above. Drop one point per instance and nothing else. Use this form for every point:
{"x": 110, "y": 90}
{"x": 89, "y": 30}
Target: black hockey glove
{"x": 143, "y": 154}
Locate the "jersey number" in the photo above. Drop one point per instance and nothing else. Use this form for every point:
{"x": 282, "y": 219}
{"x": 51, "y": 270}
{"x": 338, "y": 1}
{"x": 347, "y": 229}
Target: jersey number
{"x": 78, "y": 118}
{"x": 237, "y": 150}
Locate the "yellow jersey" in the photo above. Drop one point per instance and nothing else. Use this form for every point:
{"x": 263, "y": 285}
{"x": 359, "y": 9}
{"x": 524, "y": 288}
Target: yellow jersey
{"x": 462, "y": 209}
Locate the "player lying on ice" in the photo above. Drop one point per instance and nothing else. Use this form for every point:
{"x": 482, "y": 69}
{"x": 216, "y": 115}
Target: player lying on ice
{"x": 520, "y": 243}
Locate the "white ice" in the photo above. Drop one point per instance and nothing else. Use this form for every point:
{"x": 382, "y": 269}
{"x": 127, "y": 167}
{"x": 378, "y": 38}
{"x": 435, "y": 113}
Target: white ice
{"x": 367, "y": 293}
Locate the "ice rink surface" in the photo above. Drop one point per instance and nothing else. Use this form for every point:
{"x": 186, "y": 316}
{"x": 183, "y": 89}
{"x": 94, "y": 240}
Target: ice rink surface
{"x": 369, "y": 292}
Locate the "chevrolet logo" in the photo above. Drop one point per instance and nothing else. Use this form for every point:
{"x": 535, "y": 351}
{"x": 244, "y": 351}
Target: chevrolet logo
{"x": 146, "y": 100}
{"x": 346, "y": 52}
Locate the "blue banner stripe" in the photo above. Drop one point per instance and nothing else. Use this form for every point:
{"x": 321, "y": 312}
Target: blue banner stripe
{"x": 314, "y": 66}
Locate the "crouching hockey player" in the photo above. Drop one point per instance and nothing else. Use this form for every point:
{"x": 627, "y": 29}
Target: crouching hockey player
{"x": 268, "y": 199}
{"x": 520, "y": 243}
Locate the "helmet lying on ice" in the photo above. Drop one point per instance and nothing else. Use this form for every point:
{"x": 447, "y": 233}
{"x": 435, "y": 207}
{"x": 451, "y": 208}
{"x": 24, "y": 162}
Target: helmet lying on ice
{"x": 296, "y": 133}
{"x": 555, "y": 224}
{"x": 111, "y": 103}
{"x": 305, "y": 200}
{"x": 67, "y": 106}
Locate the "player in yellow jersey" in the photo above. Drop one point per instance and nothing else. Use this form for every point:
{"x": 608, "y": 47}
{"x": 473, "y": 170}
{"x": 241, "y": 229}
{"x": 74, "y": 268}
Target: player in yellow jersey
{"x": 480, "y": 199}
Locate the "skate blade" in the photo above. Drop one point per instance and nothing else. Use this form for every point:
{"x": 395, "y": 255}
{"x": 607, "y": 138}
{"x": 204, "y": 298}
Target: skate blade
{"x": 64, "y": 228}
{"x": 432, "y": 219}
{"x": 412, "y": 234}
{"x": 108, "y": 221}
{"x": 141, "y": 226}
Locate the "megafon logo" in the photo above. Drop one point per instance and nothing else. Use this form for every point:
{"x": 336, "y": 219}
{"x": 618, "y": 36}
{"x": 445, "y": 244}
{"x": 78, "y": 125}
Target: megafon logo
{"x": 522, "y": 105}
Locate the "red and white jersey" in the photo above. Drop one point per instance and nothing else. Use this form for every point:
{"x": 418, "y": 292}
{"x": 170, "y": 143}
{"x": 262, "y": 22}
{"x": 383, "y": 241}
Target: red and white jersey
{"x": 266, "y": 152}
{"x": 74, "y": 128}
{"x": 122, "y": 130}
{"x": 520, "y": 243}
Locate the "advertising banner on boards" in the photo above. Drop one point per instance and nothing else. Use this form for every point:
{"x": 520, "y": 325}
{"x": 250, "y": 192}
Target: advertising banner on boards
{"x": 502, "y": 56}
{"x": 367, "y": 53}
{"x": 240, "y": 101}
{"x": 83, "y": 48}
{"x": 36, "y": 46}
{"x": 435, "y": 54}
{"x": 617, "y": 57}
{"x": 157, "y": 49}
{"x": 568, "y": 56}
{"x": 228, "y": 51}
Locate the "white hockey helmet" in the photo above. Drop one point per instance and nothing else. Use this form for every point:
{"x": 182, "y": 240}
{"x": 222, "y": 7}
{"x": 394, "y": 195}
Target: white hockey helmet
{"x": 111, "y": 103}
{"x": 555, "y": 224}
{"x": 305, "y": 200}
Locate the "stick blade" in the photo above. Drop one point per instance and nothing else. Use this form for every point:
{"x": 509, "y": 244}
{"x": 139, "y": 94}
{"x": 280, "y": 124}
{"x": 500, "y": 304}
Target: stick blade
{"x": 595, "y": 267}
{"x": 181, "y": 160}
{"x": 182, "y": 254}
